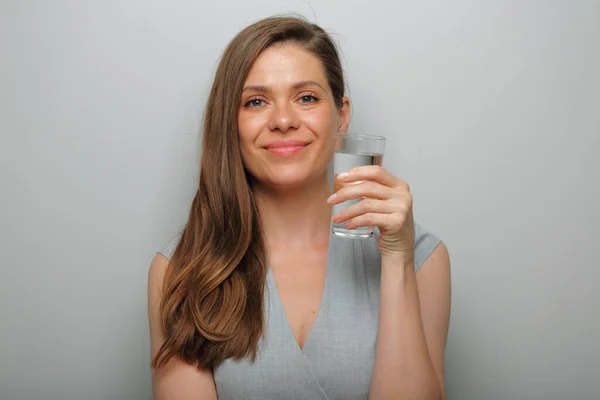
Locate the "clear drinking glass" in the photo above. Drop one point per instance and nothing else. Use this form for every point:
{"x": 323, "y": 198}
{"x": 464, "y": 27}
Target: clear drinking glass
{"x": 354, "y": 150}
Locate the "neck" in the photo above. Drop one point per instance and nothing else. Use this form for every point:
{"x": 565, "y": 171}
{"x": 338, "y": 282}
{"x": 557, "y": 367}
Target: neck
{"x": 295, "y": 218}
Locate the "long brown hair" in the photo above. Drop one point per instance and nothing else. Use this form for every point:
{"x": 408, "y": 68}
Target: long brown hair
{"x": 212, "y": 304}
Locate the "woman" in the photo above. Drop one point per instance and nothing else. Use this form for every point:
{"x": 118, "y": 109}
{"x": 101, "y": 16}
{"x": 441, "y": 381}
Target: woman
{"x": 257, "y": 299}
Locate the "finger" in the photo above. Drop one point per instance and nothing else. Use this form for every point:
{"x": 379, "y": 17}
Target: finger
{"x": 372, "y": 173}
{"x": 363, "y": 207}
{"x": 391, "y": 222}
{"x": 364, "y": 189}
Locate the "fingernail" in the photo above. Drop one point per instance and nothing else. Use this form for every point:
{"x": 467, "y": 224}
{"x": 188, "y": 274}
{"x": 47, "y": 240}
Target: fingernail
{"x": 334, "y": 218}
{"x": 342, "y": 175}
{"x": 330, "y": 198}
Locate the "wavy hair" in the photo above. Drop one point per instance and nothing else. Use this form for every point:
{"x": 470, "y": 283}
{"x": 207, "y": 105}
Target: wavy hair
{"x": 213, "y": 289}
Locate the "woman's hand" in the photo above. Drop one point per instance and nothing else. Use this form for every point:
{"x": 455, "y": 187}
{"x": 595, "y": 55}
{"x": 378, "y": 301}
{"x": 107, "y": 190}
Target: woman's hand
{"x": 386, "y": 203}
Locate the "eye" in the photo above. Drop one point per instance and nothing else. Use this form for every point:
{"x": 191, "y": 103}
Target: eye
{"x": 307, "y": 99}
{"x": 255, "y": 102}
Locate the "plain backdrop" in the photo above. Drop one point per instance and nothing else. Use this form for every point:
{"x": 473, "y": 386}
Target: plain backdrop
{"x": 492, "y": 114}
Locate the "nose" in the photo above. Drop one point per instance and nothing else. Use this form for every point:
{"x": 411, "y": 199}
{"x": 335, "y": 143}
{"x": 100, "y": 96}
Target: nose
{"x": 283, "y": 118}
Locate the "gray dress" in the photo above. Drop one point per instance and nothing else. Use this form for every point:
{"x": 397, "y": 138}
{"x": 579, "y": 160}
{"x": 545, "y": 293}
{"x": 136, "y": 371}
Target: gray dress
{"x": 337, "y": 359}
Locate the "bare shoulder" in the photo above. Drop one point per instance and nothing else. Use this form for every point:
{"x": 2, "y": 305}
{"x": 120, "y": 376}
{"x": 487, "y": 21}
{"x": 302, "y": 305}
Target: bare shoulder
{"x": 433, "y": 282}
{"x": 177, "y": 380}
{"x": 437, "y": 262}
{"x": 433, "y": 278}
{"x": 156, "y": 274}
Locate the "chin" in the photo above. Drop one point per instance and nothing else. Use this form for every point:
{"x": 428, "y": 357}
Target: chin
{"x": 287, "y": 181}
{"x": 292, "y": 175}
{"x": 290, "y": 179}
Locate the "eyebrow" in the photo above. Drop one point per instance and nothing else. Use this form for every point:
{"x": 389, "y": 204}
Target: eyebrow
{"x": 297, "y": 86}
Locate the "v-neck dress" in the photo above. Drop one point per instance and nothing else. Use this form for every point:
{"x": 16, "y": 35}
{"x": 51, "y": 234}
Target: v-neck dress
{"x": 337, "y": 359}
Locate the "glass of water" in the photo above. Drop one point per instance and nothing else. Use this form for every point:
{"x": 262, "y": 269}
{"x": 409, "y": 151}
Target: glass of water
{"x": 354, "y": 150}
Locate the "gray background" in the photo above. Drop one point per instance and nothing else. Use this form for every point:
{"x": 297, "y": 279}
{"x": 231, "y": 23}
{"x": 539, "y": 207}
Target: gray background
{"x": 492, "y": 114}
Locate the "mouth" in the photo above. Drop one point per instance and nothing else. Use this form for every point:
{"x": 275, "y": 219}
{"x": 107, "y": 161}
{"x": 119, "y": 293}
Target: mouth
{"x": 286, "y": 148}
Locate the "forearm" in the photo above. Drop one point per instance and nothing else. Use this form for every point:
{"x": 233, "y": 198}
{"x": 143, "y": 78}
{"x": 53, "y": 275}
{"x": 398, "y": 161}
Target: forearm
{"x": 403, "y": 369}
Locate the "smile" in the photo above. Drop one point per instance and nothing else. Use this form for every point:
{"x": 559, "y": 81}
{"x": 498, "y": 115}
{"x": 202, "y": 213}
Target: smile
{"x": 286, "y": 148}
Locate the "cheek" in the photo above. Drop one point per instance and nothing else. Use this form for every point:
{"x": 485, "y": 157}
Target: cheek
{"x": 245, "y": 137}
{"x": 244, "y": 127}
{"x": 249, "y": 127}
{"x": 322, "y": 121}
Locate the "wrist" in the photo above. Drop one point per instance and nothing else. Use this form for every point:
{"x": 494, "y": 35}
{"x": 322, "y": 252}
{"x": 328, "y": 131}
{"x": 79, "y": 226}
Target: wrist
{"x": 398, "y": 260}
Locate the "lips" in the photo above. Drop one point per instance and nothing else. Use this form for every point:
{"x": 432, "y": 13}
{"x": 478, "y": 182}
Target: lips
{"x": 286, "y": 147}
{"x": 285, "y": 143}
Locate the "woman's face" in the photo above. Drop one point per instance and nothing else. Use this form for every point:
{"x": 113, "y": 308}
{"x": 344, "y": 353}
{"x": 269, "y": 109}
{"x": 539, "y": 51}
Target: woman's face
{"x": 288, "y": 117}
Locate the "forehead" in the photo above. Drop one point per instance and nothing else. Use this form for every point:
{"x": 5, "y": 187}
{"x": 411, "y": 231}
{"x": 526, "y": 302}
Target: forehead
{"x": 285, "y": 63}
